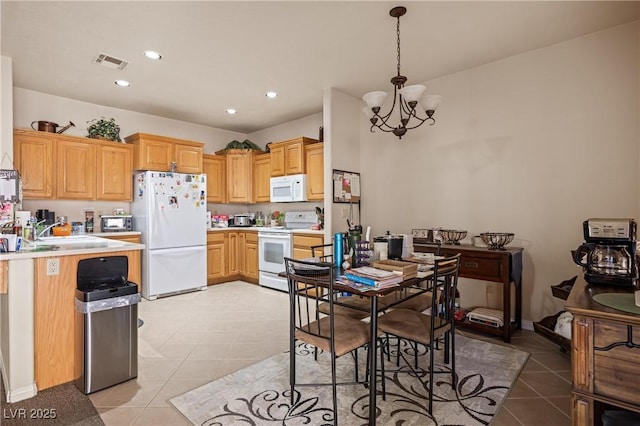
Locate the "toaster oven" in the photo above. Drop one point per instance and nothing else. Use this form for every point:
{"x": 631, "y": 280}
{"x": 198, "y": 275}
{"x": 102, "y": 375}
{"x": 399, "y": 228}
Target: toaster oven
{"x": 116, "y": 223}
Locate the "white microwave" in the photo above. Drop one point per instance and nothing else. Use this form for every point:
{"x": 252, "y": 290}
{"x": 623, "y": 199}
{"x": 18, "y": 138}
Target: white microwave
{"x": 287, "y": 189}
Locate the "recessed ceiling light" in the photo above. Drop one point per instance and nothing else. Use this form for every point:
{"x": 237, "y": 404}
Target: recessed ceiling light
{"x": 122, "y": 83}
{"x": 151, "y": 54}
{"x": 231, "y": 111}
{"x": 271, "y": 95}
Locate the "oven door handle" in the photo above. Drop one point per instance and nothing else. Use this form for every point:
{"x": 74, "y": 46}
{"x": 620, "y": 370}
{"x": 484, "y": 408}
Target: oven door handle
{"x": 275, "y": 236}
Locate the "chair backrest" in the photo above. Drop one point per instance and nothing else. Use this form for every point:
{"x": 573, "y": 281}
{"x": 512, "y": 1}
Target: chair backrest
{"x": 307, "y": 282}
{"x": 319, "y": 251}
{"x": 445, "y": 277}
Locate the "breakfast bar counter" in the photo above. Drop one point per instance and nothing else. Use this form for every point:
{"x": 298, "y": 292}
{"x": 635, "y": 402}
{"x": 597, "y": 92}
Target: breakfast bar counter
{"x": 37, "y": 309}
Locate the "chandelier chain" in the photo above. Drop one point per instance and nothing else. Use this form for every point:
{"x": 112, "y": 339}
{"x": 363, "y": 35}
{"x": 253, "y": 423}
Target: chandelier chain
{"x": 398, "y": 33}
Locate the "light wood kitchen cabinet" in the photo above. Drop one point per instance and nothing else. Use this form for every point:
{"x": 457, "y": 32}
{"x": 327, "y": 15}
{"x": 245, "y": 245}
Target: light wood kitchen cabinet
{"x": 216, "y": 257}
{"x": 233, "y": 243}
{"x": 302, "y": 244}
{"x": 126, "y": 238}
{"x": 262, "y": 178}
{"x": 54, "y": 316}
{"x": 154, "y": 152}
{"x": 214, "y": 166}
{"x": 288, "y": 157}
{"x": 239, "y": 175}
{"x": 70, "y": 167}
{"x": 34, "y": 157}
{"x": 114, "y": 166}
{"x": 76, "y": 170}
{"x": 232, "y": 255}
{"x": 314, "y": 154}
{"x": 251, "y": 257}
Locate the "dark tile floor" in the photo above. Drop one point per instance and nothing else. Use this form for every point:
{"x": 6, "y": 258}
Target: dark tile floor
{"x": 542, "y": 394}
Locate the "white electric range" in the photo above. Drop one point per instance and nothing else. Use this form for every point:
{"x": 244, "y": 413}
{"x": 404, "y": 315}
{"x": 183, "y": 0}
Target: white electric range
{"x": 276, "y": 243}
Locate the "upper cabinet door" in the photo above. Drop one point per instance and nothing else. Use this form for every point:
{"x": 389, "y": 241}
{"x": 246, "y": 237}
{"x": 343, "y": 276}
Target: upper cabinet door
{"x": 288, "y": 157}
{"x": 261, "y": 178}
{"x": 76, "y": 171}
{"x": 155, "y": 152}
{"x": 33, "y": 154}
{"x": 276, "y": 153}
{"x": 114, "y": 164}
{"x": 239, "y": 176}
{"x": 188, "y": 158}
{"x": 154, "y": 155}
{"x": 214, "y": 166}
{"x": 294, "y": 158}
{"x": 315, "y": 171}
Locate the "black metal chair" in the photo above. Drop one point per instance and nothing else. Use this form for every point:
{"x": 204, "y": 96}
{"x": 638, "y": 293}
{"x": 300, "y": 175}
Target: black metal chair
{"x": 310, "y": 285}
{"x": 428, "y": 329}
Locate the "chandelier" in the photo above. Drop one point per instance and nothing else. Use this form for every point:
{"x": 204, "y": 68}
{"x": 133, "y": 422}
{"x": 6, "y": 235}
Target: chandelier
{"x": 406, "y": 97}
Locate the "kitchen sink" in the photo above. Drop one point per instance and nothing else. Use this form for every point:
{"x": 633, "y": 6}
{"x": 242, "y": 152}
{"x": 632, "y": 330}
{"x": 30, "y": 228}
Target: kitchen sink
{"x": 37, "y": 247}
{"x": 57, "y": 243}
{"x": 72, "y": 239}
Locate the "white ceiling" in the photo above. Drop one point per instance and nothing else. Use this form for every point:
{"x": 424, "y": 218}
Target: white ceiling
{"x": 220, "y": 55}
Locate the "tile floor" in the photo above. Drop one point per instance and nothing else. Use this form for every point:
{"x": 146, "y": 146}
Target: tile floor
{"x": 191, "y": 339}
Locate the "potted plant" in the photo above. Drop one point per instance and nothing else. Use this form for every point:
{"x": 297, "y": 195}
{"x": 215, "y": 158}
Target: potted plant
{"x": 245, "y": 144}
{"x": 104, "y": 129}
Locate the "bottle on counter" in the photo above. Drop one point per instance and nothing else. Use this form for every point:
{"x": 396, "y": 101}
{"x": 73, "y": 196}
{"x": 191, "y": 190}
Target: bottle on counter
{"x": 17, "y": 227}
{"x": 28, "y": 232}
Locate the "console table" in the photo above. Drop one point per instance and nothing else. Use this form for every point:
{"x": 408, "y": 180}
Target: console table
{"x": 605, "y": 356}
{"x": 500, "y": 266}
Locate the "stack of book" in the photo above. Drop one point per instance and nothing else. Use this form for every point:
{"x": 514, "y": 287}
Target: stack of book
{"x": 373, "y": 277}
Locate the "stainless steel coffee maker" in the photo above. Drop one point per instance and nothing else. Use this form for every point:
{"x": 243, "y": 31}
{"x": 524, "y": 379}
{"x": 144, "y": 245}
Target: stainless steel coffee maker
{"x": 609, "y": 252}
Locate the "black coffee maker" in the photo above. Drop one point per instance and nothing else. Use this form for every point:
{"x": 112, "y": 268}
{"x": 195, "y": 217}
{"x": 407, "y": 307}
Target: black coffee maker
{"x": 609, "y": 252}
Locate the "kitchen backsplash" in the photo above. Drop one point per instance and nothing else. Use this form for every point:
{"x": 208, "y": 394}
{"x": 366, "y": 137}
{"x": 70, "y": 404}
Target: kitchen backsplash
{"x": 74, "y": 210}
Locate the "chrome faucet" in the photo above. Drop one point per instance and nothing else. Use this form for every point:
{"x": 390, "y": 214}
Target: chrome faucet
{"x": 46, "y": 228}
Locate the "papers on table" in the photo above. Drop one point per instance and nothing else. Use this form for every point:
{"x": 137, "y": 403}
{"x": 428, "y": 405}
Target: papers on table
{"x": 368, "y": 278}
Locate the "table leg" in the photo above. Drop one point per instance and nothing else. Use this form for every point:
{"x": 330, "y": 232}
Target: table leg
{"x": 518, "y": 305}
{"x": 506, "y": 311}
{"x": 372, "y": 359}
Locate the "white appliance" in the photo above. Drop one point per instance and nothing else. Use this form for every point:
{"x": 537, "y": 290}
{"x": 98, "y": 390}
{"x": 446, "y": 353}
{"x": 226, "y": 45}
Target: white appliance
{"x": 287, "y": 189}
{"x": 170, "y": 209}
{"x": 274, "y": 244}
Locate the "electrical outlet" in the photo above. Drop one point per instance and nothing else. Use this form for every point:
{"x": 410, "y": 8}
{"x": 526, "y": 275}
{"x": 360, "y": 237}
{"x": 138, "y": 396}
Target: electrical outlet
{"x": 345, "y": 213}
{"x": 53, "y": 266}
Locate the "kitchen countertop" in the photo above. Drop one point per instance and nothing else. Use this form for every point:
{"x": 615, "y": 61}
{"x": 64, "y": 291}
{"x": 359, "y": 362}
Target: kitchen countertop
{"x": 72, "y": 245}
{"x": 108, "y": 234}
{"x": 258, "y": 228}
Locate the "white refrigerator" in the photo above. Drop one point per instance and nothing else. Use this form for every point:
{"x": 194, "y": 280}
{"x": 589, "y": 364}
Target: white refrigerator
{"x": 170, "y": 209}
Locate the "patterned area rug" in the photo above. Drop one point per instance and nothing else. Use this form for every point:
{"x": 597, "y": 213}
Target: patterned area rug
{"x": 259, "y": 394}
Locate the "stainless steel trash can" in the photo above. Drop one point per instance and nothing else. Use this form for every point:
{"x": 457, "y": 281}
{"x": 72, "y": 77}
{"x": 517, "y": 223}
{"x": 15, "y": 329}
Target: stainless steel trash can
{"x": 106, "y": 324}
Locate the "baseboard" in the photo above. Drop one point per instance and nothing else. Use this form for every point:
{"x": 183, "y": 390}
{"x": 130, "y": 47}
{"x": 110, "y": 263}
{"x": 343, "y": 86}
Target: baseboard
{"x": 527, "y": 325}
{"x": 16, "y": 394}
{"x": 22, "y": 393}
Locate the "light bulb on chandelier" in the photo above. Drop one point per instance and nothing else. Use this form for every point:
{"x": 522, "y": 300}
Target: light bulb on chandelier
{"x": 406, "y": 97}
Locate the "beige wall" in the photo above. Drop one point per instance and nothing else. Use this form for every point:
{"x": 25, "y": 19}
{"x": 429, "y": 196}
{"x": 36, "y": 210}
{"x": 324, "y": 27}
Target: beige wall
{"x": 29, "y": 105}
{"x": 533, "y": 144}
{"x": 305, "y": 126}
{"x": 6, "y": 112}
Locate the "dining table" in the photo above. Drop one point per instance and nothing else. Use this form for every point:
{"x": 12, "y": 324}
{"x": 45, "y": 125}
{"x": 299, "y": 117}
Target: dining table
{"x": 374, "y": 295}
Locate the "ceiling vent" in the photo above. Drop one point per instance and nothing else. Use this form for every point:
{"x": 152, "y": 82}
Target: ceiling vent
{"x": 110, "y": 62}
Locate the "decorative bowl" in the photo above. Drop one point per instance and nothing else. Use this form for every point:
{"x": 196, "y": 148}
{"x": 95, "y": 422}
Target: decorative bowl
{"x": 452, "y": 236}
{"x": 496, "y": 240}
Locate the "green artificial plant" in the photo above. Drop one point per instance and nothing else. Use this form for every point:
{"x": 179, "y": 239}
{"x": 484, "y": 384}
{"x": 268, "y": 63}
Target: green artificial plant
{"x": 104, "y": 129}
{"x": 246, "y": 144}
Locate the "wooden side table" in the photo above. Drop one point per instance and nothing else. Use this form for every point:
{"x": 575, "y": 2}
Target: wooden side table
{"x": 500, "y": 266}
